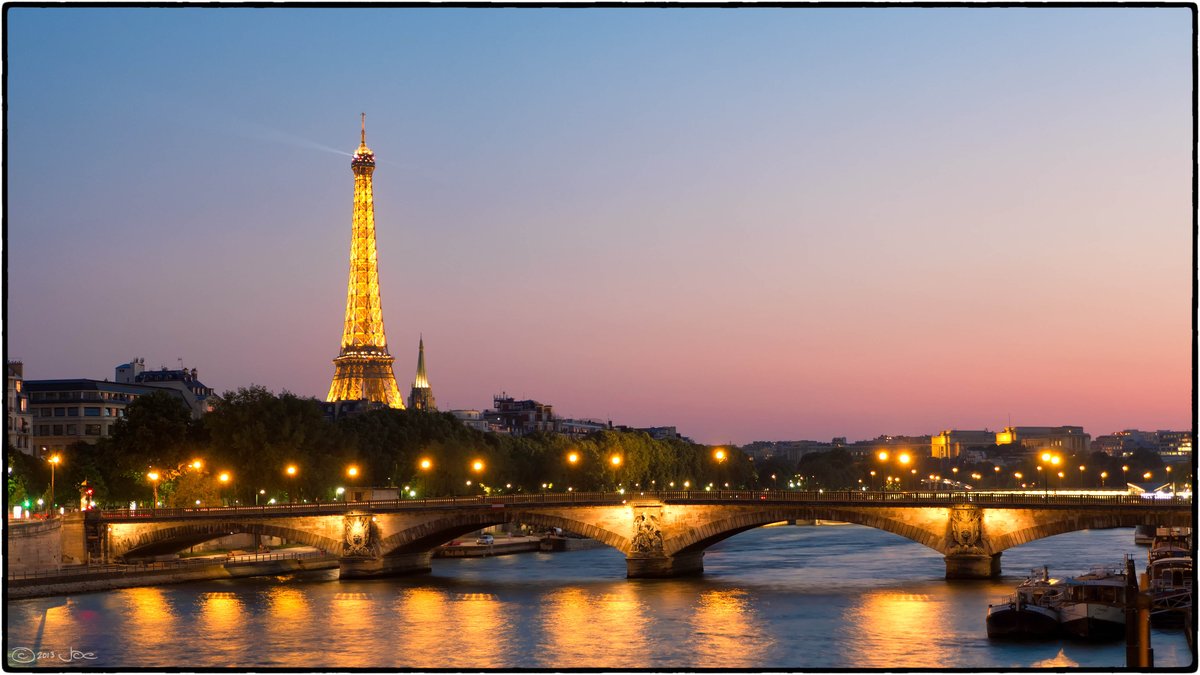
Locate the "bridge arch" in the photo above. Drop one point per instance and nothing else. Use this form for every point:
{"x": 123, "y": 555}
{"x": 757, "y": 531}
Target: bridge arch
{"x": 699, "y": 538}
{"x": 1052, "y": 523}
{"x": 431, "y": 533}
{"x": 175, "y": 538}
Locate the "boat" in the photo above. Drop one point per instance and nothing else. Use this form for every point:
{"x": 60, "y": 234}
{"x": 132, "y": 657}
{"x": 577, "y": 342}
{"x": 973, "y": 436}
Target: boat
{"x": 1169, "y": 576}
{"x": 1143, "y": 535}
{"x": 1032, "y": 612}
{"x": 1093, "y": 606}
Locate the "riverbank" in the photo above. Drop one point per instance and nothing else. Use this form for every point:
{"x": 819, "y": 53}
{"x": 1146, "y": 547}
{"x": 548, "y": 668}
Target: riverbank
{"x": 85, "y": 579}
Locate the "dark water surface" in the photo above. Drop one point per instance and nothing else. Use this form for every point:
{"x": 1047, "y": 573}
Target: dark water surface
{"x": 839, "y": 596}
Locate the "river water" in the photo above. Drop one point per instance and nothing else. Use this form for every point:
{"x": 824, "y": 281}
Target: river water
{"x": 788, "y": 598}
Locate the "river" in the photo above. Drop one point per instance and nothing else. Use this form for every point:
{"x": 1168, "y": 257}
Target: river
{"x": 789, "y": 598}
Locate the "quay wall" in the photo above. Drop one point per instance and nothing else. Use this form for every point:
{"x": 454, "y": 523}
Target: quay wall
{"x": 107, "y": 581}
{"x": 33, "y": 546}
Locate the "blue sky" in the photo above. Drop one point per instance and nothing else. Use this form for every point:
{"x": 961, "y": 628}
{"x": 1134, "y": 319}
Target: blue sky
{"x": 750, "y": 223}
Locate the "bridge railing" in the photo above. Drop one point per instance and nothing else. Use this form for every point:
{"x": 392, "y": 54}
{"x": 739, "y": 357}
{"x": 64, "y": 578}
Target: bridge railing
{"x": 938, "y": 497}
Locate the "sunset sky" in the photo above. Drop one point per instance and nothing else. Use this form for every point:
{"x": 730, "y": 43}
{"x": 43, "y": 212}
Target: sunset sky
{"x": 752, "y": 224}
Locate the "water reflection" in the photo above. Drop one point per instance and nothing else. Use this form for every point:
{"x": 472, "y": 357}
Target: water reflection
{"x": 287, "y": 616}
{"x": 726, "y": 631}
{"x": 891, "y": 627}
{"x": 421, "y": 616}
{"x": 480, "y": 626}
{"x": 149, "y": 619}
{"x": 594, "y": 629}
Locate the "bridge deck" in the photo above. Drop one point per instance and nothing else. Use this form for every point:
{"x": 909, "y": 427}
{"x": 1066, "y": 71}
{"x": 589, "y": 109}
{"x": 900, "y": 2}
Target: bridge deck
{"x": 722, "y": 497}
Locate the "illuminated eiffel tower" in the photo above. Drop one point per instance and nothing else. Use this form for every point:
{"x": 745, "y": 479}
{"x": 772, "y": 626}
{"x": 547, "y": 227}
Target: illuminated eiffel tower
{"x": 363, "y": 369}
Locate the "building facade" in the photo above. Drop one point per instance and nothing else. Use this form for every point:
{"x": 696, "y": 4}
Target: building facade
{"x": 953, "y": 443}
{"x": 18, "y": 428}
{"x": 1068, "y": 439}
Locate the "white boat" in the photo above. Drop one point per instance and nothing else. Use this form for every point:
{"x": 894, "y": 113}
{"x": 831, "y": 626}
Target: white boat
{"x": 1032, "y": 612}
{"x": 1169, "y": 575}
{"x": 1093, "y": 606}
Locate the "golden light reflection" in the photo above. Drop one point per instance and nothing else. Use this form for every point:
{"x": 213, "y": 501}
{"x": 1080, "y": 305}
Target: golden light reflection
{"x": 221, "y": 616}
{"x": 585, "y": 629}
{"x": 892, "y": 627}
{"x": 288, "y": 620}
{"x": 422, "y": 616}
{"x": 726, "y": 632}
{"x": 150, "y": 619}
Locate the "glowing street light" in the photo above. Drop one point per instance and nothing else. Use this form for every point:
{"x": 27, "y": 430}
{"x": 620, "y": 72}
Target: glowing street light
{"x": 197, "y": 464}
{"x": 1081, "y": 470}
{"x": 719, "y": 454}
{"x": 153, "y": 476}
{"x": 573, "y": 458}
{"x": 883, "y": 455}
{"x": 54, "y": 460}
{"x": 426, "y": 464}
{"x": 352, "y": 471}
{"x": 1147, "y": 475}
{"x": 904, "y": 458}
{"x": 291, "y": 472}
{"x": 477, "y": 466}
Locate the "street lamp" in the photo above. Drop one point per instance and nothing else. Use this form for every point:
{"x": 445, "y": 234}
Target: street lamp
{"x": 291, "y": 472}
{"x": 153, "y": 476}
{"x": 477, "y": 466}
{"x": 572, "y": 458}
{"x": 54, "y": 461}
{"x": 352, "y": 474}
{"x": 1060, "y": 480}
{"x": 1103, "y": 477}
{"x": 426, "y": 464}
{"x": 1081, "y": 468}
{"x": 1172, "y": 481}
{"x": 224, "y": 478}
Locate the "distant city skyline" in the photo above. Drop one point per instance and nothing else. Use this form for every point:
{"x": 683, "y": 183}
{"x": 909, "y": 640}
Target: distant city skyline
{"x": 750, "y": 224}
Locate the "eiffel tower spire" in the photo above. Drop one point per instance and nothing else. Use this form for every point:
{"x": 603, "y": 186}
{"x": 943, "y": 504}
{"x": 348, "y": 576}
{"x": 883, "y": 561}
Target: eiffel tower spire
{"x": 363, "y": 369}
{"x": 421, "y": 396}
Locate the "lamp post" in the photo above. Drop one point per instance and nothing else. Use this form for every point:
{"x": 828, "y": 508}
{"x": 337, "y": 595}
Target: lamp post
{"x": 224, "y": 478}
{"x": 153, "y": 476}
{"x": 1081, "y": 469}
{"x": 352, "y": 474}
{"x": 291, "y": 472}
{"x": 1103, "y": 477}
{"x": 615, "y": 461}
{"x": 54, "y": 461}
{"x": 1172, "y": 480}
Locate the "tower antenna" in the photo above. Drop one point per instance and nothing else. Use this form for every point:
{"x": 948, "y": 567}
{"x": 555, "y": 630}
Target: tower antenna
{"x": 364, "y": 128}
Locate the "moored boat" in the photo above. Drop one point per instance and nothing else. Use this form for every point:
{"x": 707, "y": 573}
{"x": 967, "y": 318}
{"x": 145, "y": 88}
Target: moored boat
{"x": 1093, "y": 606}
{"x": 1031, "y": 612}
{"x": 1169, "y": 576}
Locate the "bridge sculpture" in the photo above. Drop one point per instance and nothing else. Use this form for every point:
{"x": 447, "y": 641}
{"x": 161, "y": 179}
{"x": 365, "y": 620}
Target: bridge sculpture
{"x": 662, "y": 534}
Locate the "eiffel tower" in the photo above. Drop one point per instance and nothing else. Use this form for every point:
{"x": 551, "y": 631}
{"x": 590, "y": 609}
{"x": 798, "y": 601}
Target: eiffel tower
{"x": 363, "y": 369}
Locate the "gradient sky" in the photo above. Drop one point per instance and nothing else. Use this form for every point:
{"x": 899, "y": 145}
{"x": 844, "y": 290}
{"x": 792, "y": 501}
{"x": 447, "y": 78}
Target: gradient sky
{"x": 748, "y": 223}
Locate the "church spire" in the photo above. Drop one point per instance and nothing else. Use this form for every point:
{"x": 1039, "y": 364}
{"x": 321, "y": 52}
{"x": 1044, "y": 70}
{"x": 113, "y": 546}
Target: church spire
{"x": 421, "y": 396}
{"x": 422, "y": 381}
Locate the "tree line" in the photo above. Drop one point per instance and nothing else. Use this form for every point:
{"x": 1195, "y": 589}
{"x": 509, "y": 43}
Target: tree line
{"x": 251, "y": 436}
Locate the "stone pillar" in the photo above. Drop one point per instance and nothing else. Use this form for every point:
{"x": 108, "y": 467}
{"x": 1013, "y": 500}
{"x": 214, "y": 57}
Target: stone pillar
{"x": 663, "y": 566}
{"x": 361, "y": 557}
{"x": 647, "y": 559}
{"x": 966, "y": 550}
{"x": 972, "y": 566}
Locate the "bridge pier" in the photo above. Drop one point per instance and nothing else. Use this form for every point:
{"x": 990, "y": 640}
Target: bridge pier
{"x": 664, "y": 566}
{"x": 360, "y": 567}
{"x": 972, "y": 566}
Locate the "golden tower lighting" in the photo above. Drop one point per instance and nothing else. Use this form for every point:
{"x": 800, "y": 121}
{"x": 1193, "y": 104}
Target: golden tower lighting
{"x": 363, "y": 369}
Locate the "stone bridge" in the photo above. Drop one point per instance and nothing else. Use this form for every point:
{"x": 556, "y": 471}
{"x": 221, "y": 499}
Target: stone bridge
{"x": 662, "y": 534}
